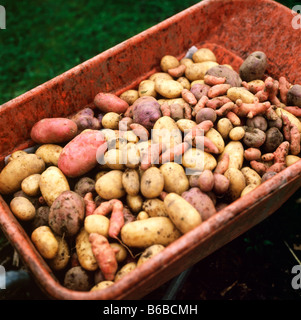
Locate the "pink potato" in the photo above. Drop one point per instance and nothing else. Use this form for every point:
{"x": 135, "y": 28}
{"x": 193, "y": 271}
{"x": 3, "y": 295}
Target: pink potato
{"x": 80, "y": 155}
{"x": 53, "y": 130}
{"x": 109, "y": 102}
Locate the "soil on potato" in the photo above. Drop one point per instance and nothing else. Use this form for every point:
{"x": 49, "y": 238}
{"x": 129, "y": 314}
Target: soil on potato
{"x": 255, "y": 266}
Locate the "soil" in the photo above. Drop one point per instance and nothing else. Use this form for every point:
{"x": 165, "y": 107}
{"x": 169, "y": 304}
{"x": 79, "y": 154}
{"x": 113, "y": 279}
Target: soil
{"x": 255, "y": 266}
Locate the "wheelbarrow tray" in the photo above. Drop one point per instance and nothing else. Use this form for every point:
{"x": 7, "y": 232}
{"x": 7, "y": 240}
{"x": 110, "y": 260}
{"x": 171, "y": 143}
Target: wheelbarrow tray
{"x": 232, "y": 29}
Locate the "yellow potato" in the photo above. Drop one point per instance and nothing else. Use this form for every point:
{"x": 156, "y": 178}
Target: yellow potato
{"x": 235, "y": 150}
{"x": 251, "y": 176}
{"x": 166, "y": 131}
{"x": 16, "y": 154}
{"x": 184, "y": 82}
{"x": 216, "y": 138}
{"x": 144, "y": 233}
{"x": 237, "y": 133}
{"x": 111, "y": 120}
{"x": 197, "y": 81}
{"x": 179, "y": 101}
{"x": 168, "y": 88}
{"x": 52, "y": 184}
{"x": 142, "y": 215}
{"x": 152, "y": 183}
{"x": 49, "y": 153}
{"x": 198, "y": 160}
{"x": 203, "y": 54}
{"x": 60, "y": 261}
{"x": 237, "y": 183}
{"x": 224, "y": 126}
{"x": 185, "y": 124}
{"x": 147, "y": 88}
{"x": 17, "y": 170}
{"x": 109, "y": 186}
{"x": 131, "y": 181}
{"x": 293, "y": 119}
{"x": 134, "y": 203}
{"x": 30, "y": 185}
{"x": 175, "y": 179}
{"x": 241, "y": 93}
{"x": 155, "y": 208}
{"x": 186, "y": 61}
{"x": 131, "y": 155}
{"x": 96, "y": 223}
{"x": 120, "y": 251}
{"x": 102, "y": 285}
{"x": 22, "y": 208}
{"x": 169, "y": 62}
{"x": 45, "y": 242}
{"x": 130, "y": 137}
{"x": 198, "y": 70}
{"x": 84, "y": 251}
{"x": 149, "y": 252}
{"x": 160, "y": 75}
{"x": 113, "y": 159}
{"x": 127, "y": 268}
{"x": 182, "y": 213}
{"x": 248, "y": 189}
{"x": 290, "y": 159}
{"x": 130, "y": 96}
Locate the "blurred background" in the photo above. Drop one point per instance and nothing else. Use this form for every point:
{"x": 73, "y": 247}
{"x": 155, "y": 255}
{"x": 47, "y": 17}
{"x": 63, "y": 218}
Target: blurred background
{"x": 46, "y": 38}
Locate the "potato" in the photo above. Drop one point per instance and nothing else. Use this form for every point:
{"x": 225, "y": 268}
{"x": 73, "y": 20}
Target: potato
{"x": 142, "y": 215}
{"x": 154, "y": 208}
{"x": 96, "y": 223}
{"x": 237, "y": 133}
{"x": 203, "y": 54}
{"x": 113, "y": 159}
{"x": 216, "y": 138}
{"x": 160, "y": 75}
{"x": 176, "y": 111}
{"x": 235, "y": 150}
{"x": 200, "y": 201}
{"x": 127, "y": 268}
{"x": 237, "y": 183}
{"x": 221, "y": 184}
{"x": 53, "y": 130}
{"x": 144, "y": 233}
{"x": 109, "y": 102}
{"x": 253, "y": 67}
{"x": 185, "y": 124}
{"x": 134, "y": 203}
{"x": 102, "y": 285}
{"x": 131, "y": 156}
{"x": 147, "y": 88}
{"x": 274, "y": 138}
{"x": 172, "y": 172}
{"x": 60, "y": 261}
{"x": 293, "y": 119}
{"x": 111, "y": 120}
{"x": 241, "y": 93}
{"x": 206, "y": 181}
{"x": 30, "y": 185}
{"x": 110, "y": 186}
{"x": 22, "y": 208}
{"x": 181, "y": 212}
{"x": 184, "y": 82}
{"x": 84, "y": 185}
{"x": 146, "y": 111}
{"x": 16, "y": 154}
{"x": 49, "y": 153}
{"x": 198, "y": 70}
{"x": 251, "y": 176}
{"x": 52, "y": 184}
{"x": 84, "y": 251}
{"x": 222, "y": 71}
{"x": 169, "y": 62}
{"x": 205, "y": 114}
{"x": 41, "y": 217}
{"x": 78, "y": 279}
{"x": 120, "y": 251}
{"x": 131, "y": 182}
{"x": 149, "y": 252}
{"x": 224, "y": 126}
{"x": 130, "y": 137}
{"x": 195, "y": 160}
{"x": 67, "y": 214}
{"x": 80, "y": 155}
{"x": 257, "y": 122}
{"x": 45, "y": 242}
{"x": 254, "y": 137}
{"x": 166, "y": 131}
{"x": 130, "y": 96}
{"x": 248, "y": 189}
{"x": 294, "y": 95}
{"x": 17, "y": 170}
{"x": 168, "y": 88}
{"x": 152, "y": 183}
{"x": 291, "y": 159}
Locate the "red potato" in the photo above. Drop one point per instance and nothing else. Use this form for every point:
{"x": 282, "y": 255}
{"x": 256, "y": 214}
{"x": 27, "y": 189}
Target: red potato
{"x": 80, "y": 155}
{"x": 53, "y": 130}
{"x": 108, "y": 102}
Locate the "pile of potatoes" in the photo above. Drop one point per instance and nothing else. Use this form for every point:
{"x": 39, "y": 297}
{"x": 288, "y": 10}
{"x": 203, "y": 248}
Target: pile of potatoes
{"x": 111, "y": 186}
